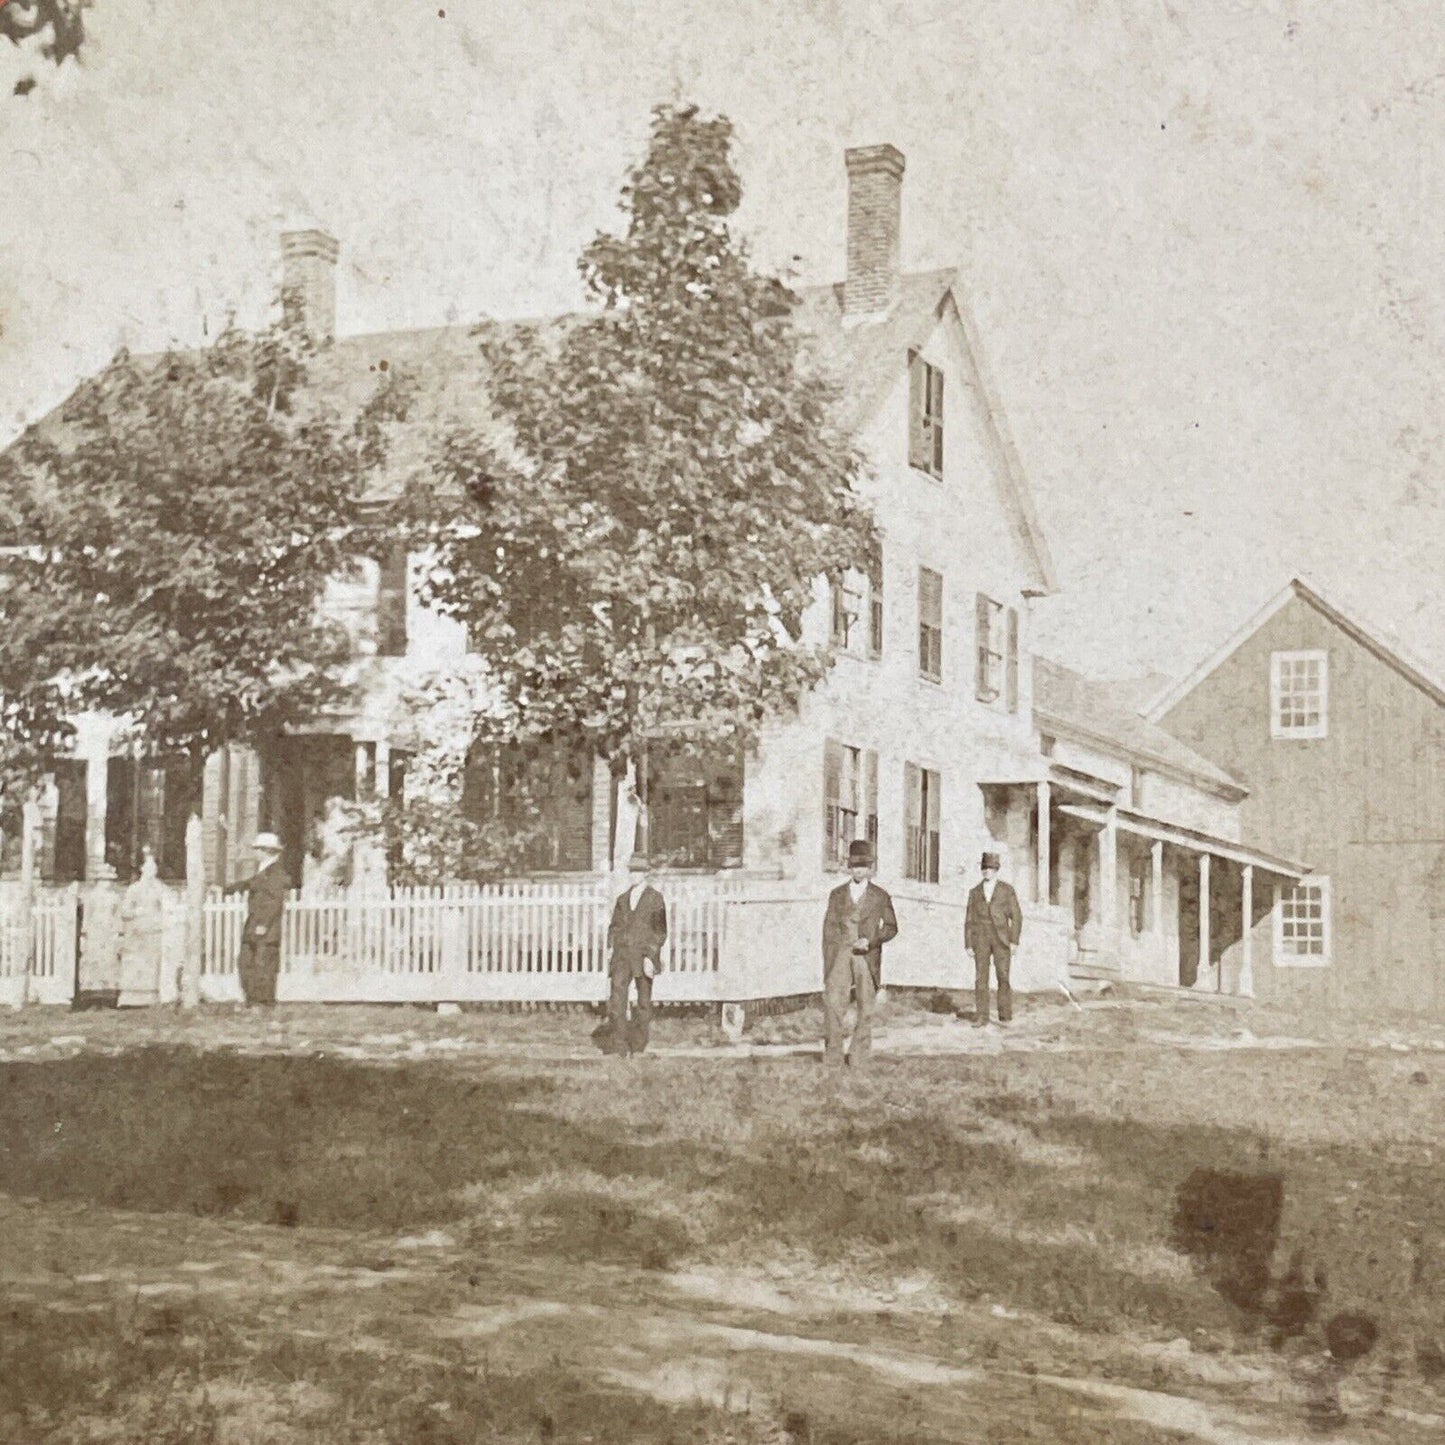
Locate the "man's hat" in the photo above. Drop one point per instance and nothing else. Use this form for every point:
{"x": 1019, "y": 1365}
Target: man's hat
{"x": 638, "y": 863}
{"x": 268, "y": 843}
{"x": 990, "y": 860}
{"x": 860, "y": 853}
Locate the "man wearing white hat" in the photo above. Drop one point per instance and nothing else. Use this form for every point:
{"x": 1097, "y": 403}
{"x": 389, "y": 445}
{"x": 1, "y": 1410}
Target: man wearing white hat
{"x": 259, "y": 960}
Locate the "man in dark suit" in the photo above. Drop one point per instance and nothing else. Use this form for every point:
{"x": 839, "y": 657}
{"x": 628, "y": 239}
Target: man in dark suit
{"x": 991, "y": 930}
{"x": 634, "y": 940}
{"x": 859, "y": 921}
{"x": 259, "y": 960}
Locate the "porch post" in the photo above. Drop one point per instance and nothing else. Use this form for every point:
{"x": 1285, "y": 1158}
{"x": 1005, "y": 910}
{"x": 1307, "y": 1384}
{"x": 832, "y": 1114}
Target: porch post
{"x": 1042, "y": 882}
{"x": 601, "y": 815}
{"x": 97, "y": 777}
{"x": 1203, "y": 916}
{"x": 382, "y": 785}
{"x": 1246, "y": 951}
{"x": 363, "y": 758}
{"x": 1156, "y": 887}
{"x": 1109, "y": 875}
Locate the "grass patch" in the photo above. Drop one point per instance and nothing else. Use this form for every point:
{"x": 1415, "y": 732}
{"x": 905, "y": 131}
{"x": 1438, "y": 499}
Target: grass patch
{"x": 1046, "y": 1183}
{"x": 165, "y": 1377}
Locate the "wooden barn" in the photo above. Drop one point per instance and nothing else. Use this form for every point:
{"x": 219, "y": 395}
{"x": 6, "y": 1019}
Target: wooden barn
{"x": 1341, "y": 742}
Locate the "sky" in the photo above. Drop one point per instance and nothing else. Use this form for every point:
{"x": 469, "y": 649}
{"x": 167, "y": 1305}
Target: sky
{"x": 1203, "y": 241}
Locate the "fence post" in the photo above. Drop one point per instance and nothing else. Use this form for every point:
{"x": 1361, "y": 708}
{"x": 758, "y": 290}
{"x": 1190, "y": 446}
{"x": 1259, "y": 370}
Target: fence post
{"x": 30, "y": 826}
{"x": 190, "y": 980}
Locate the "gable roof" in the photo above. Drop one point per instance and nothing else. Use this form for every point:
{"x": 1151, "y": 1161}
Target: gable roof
{"x": 865, "y": 355}
{"x": 1103, "y": 713}
{"x": 1369, "y": 637}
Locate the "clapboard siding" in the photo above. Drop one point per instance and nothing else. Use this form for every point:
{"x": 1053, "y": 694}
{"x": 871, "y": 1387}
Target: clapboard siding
{"x": 1364, "y": 805}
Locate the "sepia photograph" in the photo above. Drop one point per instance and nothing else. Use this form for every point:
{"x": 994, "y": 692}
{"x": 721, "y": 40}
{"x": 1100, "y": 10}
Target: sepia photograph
{"x": 722, "y": 723}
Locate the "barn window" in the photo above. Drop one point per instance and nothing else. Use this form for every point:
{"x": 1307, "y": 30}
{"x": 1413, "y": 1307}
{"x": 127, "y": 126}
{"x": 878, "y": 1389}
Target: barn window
{"x": 1302, "y": 928}
{"x": 1299, "y": 694}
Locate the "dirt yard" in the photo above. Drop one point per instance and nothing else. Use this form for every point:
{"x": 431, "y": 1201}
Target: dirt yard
{"x": 1126, "y": 1223}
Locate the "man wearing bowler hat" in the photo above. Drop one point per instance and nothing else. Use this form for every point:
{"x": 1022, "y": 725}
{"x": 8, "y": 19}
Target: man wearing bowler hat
{"x": 259, "y": 960}
{"x": 634, "y": 940}
{"x": 859, "y": 921}
{"x": 991, "y": 930}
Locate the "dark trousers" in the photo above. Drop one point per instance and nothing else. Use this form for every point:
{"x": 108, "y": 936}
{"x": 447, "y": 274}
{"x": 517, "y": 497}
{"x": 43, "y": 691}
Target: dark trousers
{"x": 626, "y": 1037}
{"x": 1000, "y": 955}
{"x": 258, "y": 965}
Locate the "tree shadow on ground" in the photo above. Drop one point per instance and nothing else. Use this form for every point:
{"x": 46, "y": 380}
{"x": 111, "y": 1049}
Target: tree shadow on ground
{"x": 293, "y": 1141}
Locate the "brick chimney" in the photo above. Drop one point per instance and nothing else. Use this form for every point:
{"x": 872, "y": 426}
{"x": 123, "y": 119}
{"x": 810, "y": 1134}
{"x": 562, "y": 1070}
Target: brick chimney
{"x": 308, "y": 283}
{"x": 875, "y": 214}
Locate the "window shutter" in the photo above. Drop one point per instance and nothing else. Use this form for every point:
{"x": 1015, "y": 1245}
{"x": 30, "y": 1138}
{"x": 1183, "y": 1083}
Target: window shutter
{"x": 911, "y": 820}
{"x": 980, "y": 627}
{"x": 935, "y": 377}
{"x": 870, "y": 796}
{"x": 1011, "y": 661}
{"x": 875, "y": 601}
{"x": 832, "y": 787}
{"x": 931, "y": 821}
{"x": 920, "y": 450}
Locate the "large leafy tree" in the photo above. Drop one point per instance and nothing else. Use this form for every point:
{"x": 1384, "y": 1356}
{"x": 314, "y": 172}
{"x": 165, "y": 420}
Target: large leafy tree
{"x": 173, "y": 527}
{"x": 633, "y": 544}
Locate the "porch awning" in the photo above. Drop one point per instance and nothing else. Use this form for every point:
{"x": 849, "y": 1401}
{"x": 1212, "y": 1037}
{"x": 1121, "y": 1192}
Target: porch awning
{"x": 1196, "y": 840}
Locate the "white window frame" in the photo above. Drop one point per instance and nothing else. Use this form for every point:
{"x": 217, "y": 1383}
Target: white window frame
{"x": 1288, "y": 959}
{"x": 1277, "y": 663}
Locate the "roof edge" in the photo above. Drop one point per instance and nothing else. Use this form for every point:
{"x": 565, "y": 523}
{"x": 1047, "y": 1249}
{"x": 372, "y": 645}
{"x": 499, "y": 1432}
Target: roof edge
{"x": 1232, "y": 789}
{"x": 1366, "y": 635}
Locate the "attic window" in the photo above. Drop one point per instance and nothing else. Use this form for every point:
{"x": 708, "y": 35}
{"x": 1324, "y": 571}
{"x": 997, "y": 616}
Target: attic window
{"x": 1299, "y": 694}
{"x": 925, "y": 416}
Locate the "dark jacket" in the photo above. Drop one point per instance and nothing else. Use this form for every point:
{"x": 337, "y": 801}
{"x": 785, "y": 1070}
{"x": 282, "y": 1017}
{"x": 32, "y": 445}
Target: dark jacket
{"x": 637, "y": 933}
{"x": 999, "y": 921}
{"x": 266, "y": 892}
{"x": 877, "y": 923}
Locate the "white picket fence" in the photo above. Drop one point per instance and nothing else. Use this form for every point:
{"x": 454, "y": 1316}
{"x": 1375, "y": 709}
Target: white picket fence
{"x": 729, "y": 940}
{"x": 533, "y": 942}
{"x": 37, "y": 952}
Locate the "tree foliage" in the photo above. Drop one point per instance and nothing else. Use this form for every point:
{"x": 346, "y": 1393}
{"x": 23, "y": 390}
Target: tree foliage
{"x": 63, "y": 19}
{"x": 175, "y": 524}
{"x": 633, "y": 545}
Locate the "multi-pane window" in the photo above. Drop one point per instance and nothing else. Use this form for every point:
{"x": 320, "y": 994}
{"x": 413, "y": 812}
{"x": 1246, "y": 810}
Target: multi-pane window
{"x": 847, "y": 599}
{"x": 147, "y": 805}
{"x": 1302, "y": 936}
{"x": 1299, "y": 694}
{"x": 850, "y": 799}
{"x": 925, "y": 416}
{"x": 989, "y": 640}
{"x": 922, "y": 795}
{"x": 930, "y": 623}
{"x": 996, "y": 634}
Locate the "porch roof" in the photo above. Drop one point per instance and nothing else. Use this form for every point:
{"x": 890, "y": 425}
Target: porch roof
{"x": 1195, "y": 839}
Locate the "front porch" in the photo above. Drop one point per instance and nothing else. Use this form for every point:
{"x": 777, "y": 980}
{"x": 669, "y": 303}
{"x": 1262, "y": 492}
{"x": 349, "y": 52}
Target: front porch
{"x": 1154, "y": 901}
